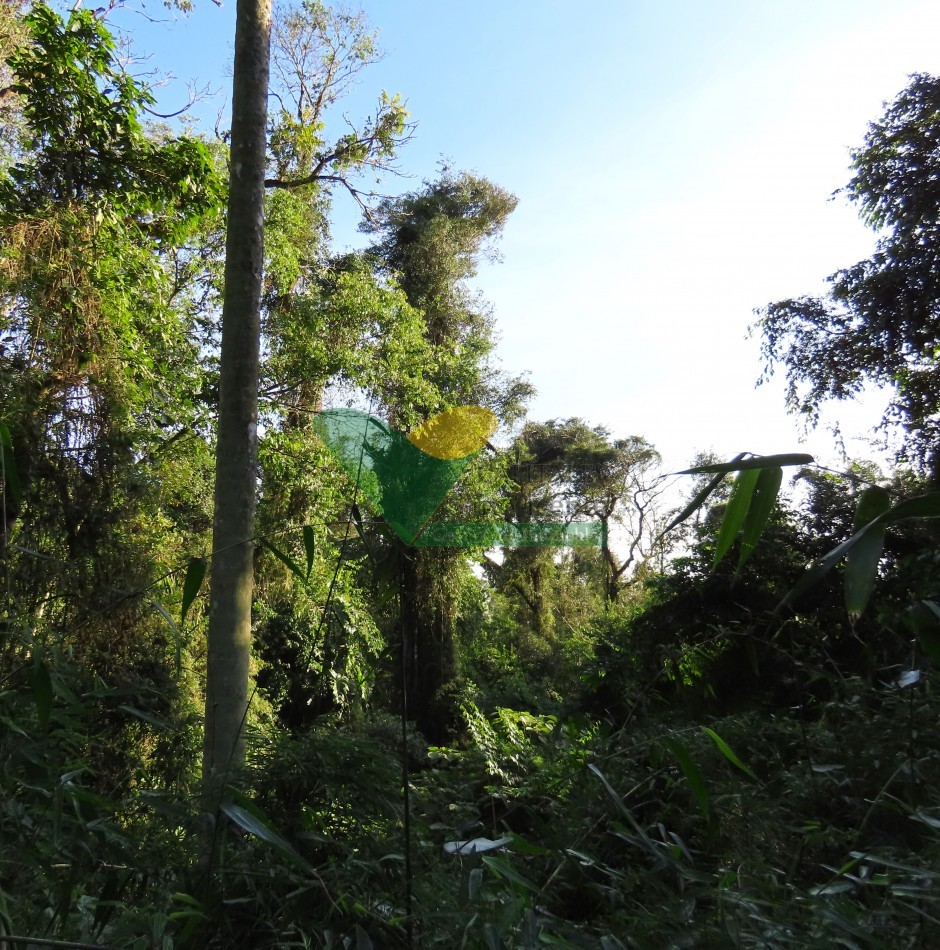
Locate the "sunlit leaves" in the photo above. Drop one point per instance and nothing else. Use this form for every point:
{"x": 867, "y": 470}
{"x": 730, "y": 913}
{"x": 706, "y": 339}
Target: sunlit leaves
{"x": 86, "y": 142}
{"x": 878, "y": 323}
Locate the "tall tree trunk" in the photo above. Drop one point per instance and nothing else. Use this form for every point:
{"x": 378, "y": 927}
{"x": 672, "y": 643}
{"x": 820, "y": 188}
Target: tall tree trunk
{"x": 229, "y": 643}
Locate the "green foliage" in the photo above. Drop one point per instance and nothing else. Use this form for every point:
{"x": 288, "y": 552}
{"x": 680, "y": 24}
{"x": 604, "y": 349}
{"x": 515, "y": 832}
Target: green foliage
{"x": 84, "y": 137}
{"x": 878, "y": 323}
{"x": 628, "y": 756}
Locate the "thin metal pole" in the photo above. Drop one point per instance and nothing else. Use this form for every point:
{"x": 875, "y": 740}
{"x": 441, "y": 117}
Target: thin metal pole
{"x": 406, "y": 777}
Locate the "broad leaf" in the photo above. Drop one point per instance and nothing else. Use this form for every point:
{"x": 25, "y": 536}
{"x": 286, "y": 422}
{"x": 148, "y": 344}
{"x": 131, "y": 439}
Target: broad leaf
{"x": 923, "y": 618}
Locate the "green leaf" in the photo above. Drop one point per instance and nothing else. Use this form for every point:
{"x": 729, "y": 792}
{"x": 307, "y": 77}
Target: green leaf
{"x": 726, "y": 751}
{"x": 504, "y": 869}
{"x": 735, "y": 513}
{"x": 873, "y": 502}
{"x": 695, "y": 503}
{"x": 176, "y": 631}
{"x": 861, "y": 563}
{"x": 924, "y": 619}
{"x": 157, "y": 721}
{"x": 691, "y": 772}
{"x": 256, "y": 827}
{"x": 921, "y": 506}
{"x": 292, "y": 565}
{"x": 41, "y": 684}
{"x": 310, "y": 546}
{"x": 814, "y": 572}
{"x": 195, "y": 574}
{"x": 10, "y": 481}
{"x": 762, "y": 505}
{"x": 741, "y": 464}
{"x": 474, "y": 882}
{"x": 618, "y": 801}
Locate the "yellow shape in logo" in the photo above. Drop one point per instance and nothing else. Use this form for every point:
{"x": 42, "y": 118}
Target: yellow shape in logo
{"x": 455, "y": 433}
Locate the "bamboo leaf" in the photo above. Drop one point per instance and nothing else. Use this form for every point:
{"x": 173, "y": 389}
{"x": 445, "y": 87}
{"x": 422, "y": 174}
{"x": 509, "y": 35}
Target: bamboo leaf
{"x": 195, "y": 574}
{"x": 618, "y": 801}
{"x": 697, "y": 501}
{"x": 921, "y": 506}
{"x": 292, "y": 565}
{"x": 924, "y": 618}
{"x": 691, "y": 772}
{"x": 157, "y": 721}
{"x": 873, "y": 502}
{"x": 818, "y": 569}
{"x": 861, "y": 563}
{"x": 727, "y": 752}
{"x": 310, "y": 547}
{"x": 10, "y": 481}
{"x": 474, "y": 882}
{"x": 254, "y": 826}
{"x": 762, "y": 505}
{"x": 735, "y": 513}
{"x": 741, "y": 464}
{"x": 41, "y": 685}
{"x": 177, "y": 637}
{"x": 504, "y": 869}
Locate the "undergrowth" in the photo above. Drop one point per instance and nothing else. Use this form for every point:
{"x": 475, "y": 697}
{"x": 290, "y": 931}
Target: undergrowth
{"x": 817, "y": 826}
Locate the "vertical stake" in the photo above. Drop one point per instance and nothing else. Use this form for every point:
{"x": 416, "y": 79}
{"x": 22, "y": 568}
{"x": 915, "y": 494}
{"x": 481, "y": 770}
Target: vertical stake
{"x": 406, "y": 791}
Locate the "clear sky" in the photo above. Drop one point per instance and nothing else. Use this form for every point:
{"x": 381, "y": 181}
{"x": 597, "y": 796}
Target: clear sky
{"x": 674, "y": 163}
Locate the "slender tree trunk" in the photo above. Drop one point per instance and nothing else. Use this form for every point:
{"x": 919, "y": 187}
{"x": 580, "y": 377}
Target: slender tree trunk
{"x": 229, "y": 644}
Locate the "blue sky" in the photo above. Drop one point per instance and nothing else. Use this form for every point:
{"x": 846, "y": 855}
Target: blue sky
{"x": 673, "y": 161}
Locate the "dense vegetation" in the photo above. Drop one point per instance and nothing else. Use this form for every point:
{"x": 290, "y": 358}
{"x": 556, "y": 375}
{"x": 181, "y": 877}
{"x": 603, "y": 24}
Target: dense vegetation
{"x": 680, "y": 737}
